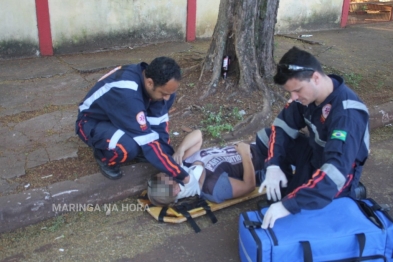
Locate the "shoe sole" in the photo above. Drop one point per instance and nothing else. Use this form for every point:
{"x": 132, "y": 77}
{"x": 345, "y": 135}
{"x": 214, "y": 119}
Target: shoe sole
{"x": 105, "y": 174}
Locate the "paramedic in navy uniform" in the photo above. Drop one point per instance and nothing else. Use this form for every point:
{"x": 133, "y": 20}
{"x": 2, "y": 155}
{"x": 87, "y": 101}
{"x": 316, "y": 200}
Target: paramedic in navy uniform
{"x": 125, "y": 115}
{"x": 328, "y": 162}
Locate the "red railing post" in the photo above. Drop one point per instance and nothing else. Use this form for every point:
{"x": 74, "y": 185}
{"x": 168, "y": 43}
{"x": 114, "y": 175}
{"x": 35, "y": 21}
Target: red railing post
{"x": 191, "y": 20}
{"x": 345, "y": 12}
{"x": 44, "y": 29}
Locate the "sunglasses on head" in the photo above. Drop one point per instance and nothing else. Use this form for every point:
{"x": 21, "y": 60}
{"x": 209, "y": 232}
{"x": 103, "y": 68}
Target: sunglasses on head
{"x": 286, "y": 68}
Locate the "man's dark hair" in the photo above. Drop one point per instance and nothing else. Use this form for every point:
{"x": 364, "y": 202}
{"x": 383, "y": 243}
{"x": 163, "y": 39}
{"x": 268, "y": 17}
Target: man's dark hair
{"x": 300, "y": 58}
{"x": 162, "y": 69}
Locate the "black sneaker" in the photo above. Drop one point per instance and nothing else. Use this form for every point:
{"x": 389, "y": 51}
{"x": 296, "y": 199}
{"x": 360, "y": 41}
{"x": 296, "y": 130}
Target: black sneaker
{"x": 111, "y": 172}
{"x": 360, "y": 191}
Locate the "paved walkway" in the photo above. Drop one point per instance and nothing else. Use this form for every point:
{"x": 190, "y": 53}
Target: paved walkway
{"x": 38, "y": 83}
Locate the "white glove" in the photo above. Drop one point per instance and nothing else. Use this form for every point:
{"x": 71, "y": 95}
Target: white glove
{"x": 275, "y": 211}
{"x": 274, "y": 176}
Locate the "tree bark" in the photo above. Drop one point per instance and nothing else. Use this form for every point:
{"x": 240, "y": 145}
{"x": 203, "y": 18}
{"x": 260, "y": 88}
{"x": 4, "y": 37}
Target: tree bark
{"x": 245, "y": 32}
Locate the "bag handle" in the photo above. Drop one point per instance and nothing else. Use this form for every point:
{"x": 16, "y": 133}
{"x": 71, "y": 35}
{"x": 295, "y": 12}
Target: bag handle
{"x": 261, "y": 205}
{"x": 370, "y": 214}
{"x": 307, "y": 253}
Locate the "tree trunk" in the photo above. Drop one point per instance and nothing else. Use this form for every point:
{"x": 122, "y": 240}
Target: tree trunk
{"x": 245, "y": 32}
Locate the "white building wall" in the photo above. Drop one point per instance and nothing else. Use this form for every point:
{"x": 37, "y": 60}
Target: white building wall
{"x": 207, "y": 13}
{"x": 78, "y": 21}
{"x": 18, "y": 21}
{"x": 306, "y": 15}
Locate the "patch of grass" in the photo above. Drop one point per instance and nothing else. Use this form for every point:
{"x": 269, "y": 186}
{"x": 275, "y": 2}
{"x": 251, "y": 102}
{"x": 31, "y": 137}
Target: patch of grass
{"x": 353, "y": 79}
{"x": 57, "y": 224}
{"x": 380, "y": 84}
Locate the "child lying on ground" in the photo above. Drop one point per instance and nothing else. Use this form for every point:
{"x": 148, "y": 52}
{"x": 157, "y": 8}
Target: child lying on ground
{"x": 217, "y": 174}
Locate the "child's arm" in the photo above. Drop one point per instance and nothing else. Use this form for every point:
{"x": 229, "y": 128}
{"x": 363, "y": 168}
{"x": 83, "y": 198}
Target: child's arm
{"x": 190, "y": 144}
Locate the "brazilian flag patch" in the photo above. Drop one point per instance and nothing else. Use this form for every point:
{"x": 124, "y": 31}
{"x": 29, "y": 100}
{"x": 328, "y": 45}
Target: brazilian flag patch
{"x": 339, "y": 134}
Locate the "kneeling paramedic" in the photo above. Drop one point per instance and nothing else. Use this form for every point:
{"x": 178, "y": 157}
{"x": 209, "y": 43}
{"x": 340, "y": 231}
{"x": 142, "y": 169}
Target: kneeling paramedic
{"x": 310, "y": 171}
{"x": 125, "y": 116}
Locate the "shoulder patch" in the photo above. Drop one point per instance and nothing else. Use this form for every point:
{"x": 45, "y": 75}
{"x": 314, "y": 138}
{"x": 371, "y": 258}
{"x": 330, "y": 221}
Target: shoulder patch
{"x": 326, "y": 110}
{"x": 339, "y": 134}
{"x": 141, "y": 119}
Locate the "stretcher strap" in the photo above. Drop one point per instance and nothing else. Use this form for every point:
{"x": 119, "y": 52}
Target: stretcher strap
{"x": 162, "y": 214}
{"x": 209, "y": 212}
{"x": 190, "y": 220}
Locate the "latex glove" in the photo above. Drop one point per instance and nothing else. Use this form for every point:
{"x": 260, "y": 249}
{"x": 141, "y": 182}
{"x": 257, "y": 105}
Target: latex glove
{"x": 178, "y": 156}
{"x": 275, "y": 211}
{"x": 274, "y": 176}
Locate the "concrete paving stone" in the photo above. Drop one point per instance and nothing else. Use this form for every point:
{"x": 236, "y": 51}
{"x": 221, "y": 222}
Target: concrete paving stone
{"x": 38, "y": 93}
{"x": 12, "y": 165}
{"x": 24, "y": 209}
{"x": 62, "y": 151}
{"x": 29, "y": 68}
{"x": 37, "y": 157}
{"x": 96, "y": 61}
{"x": 12, "y": 139}
{"x": 48, "y": 127}
{"x": 6, "y": 187}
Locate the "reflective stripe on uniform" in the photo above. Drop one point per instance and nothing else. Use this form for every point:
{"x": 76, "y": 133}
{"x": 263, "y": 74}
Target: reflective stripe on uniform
{"x": 156, "y": 121}
{"x": 104, "y": 89}
{"x": 262, "y": 135}
{"x": 352, "y": 104}
{"x": 115, "y": 138}
{"x": 334, "y": 174}
{"x": 145, "y": 139}
{"x": 314, "y": 129}
{"x": 293, "y": 133}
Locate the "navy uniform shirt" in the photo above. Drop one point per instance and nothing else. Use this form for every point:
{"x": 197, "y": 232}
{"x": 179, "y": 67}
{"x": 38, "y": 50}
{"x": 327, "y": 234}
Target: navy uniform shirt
{"x": 339, "y": 138}
{"x": 120, "y": 98}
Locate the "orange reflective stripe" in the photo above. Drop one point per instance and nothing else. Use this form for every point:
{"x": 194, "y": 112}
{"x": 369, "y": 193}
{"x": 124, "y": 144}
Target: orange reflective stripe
{"x": 125, "y": 154}
{"x": 153, "y": 145}
{"x": 166, "y": 158}
{"x": 116, "y": 155}
{"x": 318, "y": 176}
{"x": 272, "y": 140}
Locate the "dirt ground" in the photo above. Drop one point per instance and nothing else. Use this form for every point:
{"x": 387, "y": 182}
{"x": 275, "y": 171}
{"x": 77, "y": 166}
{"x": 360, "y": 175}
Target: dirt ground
{"x": 224, "y": 108}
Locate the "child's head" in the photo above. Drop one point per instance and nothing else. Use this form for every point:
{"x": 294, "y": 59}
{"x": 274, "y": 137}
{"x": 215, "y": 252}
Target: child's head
{"x": 162, "y": 190}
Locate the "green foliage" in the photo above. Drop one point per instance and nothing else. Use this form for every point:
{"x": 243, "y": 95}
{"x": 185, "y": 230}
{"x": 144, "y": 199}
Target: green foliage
{"x": 57, "y": 223}
{"x": 353, "y": 79}
{"x": 235, "y": 113}
{"x": 217, "y": 122}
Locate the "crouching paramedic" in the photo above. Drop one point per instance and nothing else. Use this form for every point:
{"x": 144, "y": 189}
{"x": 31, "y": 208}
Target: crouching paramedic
{"x": 125, "y": 115}
{"x": 330, "y": 159}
